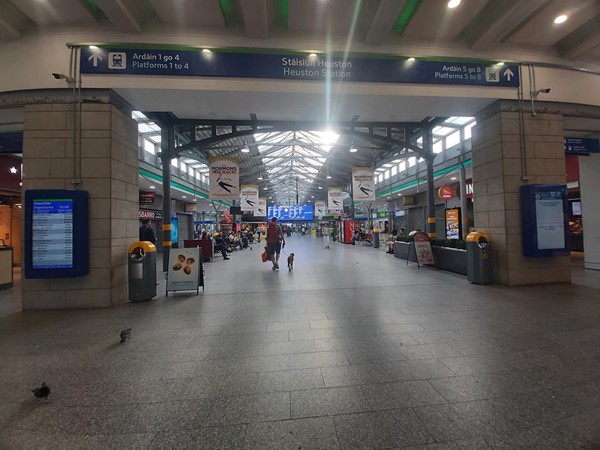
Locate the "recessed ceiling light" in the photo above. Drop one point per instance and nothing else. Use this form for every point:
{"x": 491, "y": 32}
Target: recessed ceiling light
{"x": 453, "y": 3}
{"x": 93, "y": 47}
{"x": 353, "y": 149}
{"x": 328, "y": 177}
{"x": 312, "y": 55}
{"x": 561, "y": 19}
{"x": 399, "y": 195}
{"x": 320, "y": 187}
{"x": 206, "y": 50}
{"x": 501, "y": 63}
{"x": 453, "y": 178}
{"x": 410, "y": 59}
{"x": 152, "y": 187}
{"x": 183, "y": 196}
{"x": 266, "y": 188}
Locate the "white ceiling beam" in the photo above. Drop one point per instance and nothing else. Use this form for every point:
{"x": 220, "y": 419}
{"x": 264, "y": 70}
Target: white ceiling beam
{"x": 582, "y": 40}
{"x": 383, "y": 21}
{"x": 120, "y": 16}
{"x": 500, "y": 19}
{"x": 256, "y": 18}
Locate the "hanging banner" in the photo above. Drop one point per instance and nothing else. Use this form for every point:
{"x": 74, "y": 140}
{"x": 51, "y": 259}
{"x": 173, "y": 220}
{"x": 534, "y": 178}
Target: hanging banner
{"x": 363, "y": 184}
{"x": 184, "y": 272}
{"x": 249, "y": 197}
{"x": 334, "y": 199}
{"x": 261, "y": 211}
{"x": 320, "y": 209}
{"x": 224, "y": 178}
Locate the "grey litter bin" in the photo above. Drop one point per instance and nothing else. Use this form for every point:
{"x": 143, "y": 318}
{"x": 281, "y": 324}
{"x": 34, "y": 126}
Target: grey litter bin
{"x": 375, "y": 238}
{"x": 479, "y": 267}
{"x": 142, "y": 271}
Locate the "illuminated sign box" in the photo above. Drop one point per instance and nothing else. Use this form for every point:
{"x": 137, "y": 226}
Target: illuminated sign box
{"x": 291, "y": 213}
{"x": 56, "y": 233}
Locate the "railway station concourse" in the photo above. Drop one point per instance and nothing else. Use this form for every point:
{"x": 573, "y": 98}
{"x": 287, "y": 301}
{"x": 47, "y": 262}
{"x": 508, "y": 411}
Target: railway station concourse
{"x": 476, "y": 106}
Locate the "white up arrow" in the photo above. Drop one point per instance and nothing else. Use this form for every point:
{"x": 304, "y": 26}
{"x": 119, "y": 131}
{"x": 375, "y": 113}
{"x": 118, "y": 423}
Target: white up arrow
{"x": 95, "y": 58}
{"x": 508, "y": 74}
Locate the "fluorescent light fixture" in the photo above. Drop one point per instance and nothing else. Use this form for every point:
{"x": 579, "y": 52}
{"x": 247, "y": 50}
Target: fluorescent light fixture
{"x": 453, "y": 3}
{"x": 152, "y": 187}
{"x": 561, "y": 19}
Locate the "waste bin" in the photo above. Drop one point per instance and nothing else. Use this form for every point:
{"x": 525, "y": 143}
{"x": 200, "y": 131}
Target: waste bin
{"x": 375, "y": 238}
{"x": 479, "y": 267}
{"x": 142, "y": 271}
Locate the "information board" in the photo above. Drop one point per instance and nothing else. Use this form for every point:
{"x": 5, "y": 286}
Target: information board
{"x": 291, "y": 213}
{"x": 281, "y": 64}
{"x": 453, "y": 225}
{"x": 56, "y": 233}
{"x": 544, "y": 215}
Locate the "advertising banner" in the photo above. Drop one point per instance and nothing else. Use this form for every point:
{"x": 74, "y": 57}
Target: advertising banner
{"x": 363, "y": 184}
{"x": 423, "y": 249}
{"x": 249, "y": 197}
{"x": 224, "y": 178}
{"x": 184, "y": 269}
{"x": 453, "y": 226}
{"x": 320, "y": 209}
{"x": 334, "y": 199}
{"x": 262, "y": 208}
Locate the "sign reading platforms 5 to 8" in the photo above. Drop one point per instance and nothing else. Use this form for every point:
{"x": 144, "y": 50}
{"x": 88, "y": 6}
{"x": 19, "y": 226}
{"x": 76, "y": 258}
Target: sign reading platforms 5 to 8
{"x": 196, "y": 63}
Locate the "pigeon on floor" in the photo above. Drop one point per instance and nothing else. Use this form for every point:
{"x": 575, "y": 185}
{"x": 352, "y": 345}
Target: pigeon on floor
{"x": 42, "y": 392}
{"x": 125, "y": 334}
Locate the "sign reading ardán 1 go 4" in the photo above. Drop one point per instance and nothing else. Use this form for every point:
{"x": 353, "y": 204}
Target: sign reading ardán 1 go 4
{"x": 293, "y": 66}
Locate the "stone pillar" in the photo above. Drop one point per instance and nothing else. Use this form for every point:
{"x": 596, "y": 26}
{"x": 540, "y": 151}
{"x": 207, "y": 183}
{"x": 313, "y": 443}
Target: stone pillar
{"x": 498, "y": 173}
{"x": 108, "y": 170}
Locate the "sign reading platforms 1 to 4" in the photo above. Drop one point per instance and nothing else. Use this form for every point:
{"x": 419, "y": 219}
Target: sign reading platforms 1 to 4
{"x": 385, "y": 69}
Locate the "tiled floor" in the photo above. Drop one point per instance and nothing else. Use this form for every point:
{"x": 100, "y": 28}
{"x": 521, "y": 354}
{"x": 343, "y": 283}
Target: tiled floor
{"x": 353, "y": 349}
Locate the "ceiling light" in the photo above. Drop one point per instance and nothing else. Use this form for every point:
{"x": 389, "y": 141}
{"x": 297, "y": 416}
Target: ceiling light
{"x": 453, "y": 178}
{"x": 266, "y": 188}
{"x": 328, "y": 177}
{"x": 501, "y": 63}
{"x": 245, "y": 149}
{"x": 13, "y": 170}
{"x": 410, "y": 59}
{"x": 152, "y": 187}
{"x": 260, "y": 177}
{"x": 206, "y": 50}
{"x": 353, "y": 149}
{"x": 453, "y": 3}
{"x": 560, "y": 19}
{"x": 399, "y": 194}
{"x": 312, "y": 55}
{"x": 312, "y": 196}
{"x": 93, "y": 47}
{"x": 320, "y": 187}
{"x": 183, "y": 196}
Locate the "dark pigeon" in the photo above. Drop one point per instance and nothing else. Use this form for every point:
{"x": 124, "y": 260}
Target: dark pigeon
{"x": 125, "y": 334}
{"x": 42, "y": 392}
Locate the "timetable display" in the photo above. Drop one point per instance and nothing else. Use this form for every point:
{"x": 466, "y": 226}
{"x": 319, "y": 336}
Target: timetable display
{"x": 52, "y": 237}
{"x": 56, "y": 233}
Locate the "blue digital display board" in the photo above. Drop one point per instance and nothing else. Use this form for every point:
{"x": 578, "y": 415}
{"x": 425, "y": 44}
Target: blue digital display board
{"x": 291, "y": 213}
{"x": 56, "y": 233}
{"x": 293, "y": 66}
{"x": 52, "y": 234}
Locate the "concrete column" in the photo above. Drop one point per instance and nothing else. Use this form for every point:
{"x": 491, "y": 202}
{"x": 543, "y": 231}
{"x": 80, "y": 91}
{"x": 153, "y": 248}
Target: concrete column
{"x": 108, "y": 170}
{"x": 589, "y": 168}
{"x": 497, "y": 177}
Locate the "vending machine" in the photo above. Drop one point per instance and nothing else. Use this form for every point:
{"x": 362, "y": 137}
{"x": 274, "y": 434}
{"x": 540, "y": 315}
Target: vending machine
{"x": 347, "y": 231}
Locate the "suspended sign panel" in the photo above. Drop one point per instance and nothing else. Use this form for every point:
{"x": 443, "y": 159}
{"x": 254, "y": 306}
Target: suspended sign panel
{"x": 320, "y": 209}
{"x": 262, "y": 208}
{"x": 334, "y": 199}
{"x": 363, "y": 184}
{"x": 293, "y": 66}
{"x": 249, "y": 197}
{"x": 224, "y": 178}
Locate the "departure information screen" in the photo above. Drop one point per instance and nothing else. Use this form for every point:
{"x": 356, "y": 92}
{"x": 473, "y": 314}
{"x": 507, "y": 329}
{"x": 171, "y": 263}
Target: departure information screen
{"x": 52, "y": 234}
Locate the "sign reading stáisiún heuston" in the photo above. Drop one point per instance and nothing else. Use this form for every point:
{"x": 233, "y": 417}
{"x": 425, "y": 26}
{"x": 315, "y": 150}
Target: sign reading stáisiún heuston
{"x": 320, "y": 209}
{"x": 224, "y": 178}
{"x": 363, "y": 184}
{"x": 334, "y": 199}
{"x": 249, "y": 197}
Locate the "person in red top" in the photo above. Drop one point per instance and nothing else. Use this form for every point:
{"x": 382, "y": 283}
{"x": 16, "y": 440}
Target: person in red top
{"x": 275, "y": 240}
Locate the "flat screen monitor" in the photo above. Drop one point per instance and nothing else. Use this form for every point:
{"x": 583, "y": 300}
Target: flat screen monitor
{"x": 291, "y": 213}
{"x": 576, "y": 208}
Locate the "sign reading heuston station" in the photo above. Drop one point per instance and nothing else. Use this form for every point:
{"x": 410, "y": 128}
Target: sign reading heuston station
{"x": 287, "y": 65}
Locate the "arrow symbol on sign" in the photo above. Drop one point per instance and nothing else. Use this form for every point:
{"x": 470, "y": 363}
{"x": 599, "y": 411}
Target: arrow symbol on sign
{"x": 508, "y": 74}
{"x": 95, "y": 58}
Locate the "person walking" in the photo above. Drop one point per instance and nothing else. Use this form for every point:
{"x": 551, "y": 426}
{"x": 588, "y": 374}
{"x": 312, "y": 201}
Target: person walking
{"x": 275, "y": 242}
{"x": 325, "y": 231}
{"x": 146, "y": 232}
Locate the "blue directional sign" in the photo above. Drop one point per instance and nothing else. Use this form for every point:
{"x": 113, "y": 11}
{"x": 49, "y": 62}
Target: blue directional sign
{"x": 291, "y": 213}
{"x": 581, "y": 146}
{"x": 290, "y": 66}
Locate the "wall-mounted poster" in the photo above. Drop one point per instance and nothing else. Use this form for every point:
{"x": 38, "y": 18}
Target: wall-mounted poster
{"x": 334, "y": 199}
{"x": 224, "y": 178}
{"x": 453, "y": 226}
{"x": 363, "y": 184}
{"x": 249, "y": 197}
